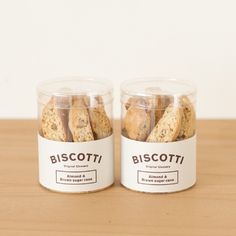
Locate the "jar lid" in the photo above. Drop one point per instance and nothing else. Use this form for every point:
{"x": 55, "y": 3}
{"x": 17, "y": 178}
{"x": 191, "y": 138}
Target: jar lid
{"x": 149, "y": 87}
{"x": 75, "y": 86}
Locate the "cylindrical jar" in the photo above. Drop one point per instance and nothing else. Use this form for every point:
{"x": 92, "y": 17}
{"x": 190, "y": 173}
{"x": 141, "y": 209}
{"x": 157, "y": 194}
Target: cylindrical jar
{"x": 75, "y": 134}
{"x": 158, "y": 135}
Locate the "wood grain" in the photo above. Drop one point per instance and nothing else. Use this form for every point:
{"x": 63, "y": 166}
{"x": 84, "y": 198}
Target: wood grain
{"x": 207, "y": 209}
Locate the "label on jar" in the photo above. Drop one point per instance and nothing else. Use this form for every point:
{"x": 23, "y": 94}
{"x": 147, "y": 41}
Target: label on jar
{"x": 76, "y": 166}
{"x": 158, "y": 167}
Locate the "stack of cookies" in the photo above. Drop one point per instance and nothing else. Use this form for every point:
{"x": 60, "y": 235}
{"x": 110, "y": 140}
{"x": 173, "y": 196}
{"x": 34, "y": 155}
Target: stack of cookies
{"x": 160, "y": 118}
{"x": 75, "y": 119}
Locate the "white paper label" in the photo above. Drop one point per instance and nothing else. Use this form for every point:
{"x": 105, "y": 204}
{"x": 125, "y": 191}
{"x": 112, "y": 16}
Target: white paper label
{"x": 158, "y": 167}
{"x": 74, "y": 166}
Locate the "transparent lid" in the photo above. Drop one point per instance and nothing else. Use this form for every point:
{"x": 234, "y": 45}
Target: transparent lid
{"x": 149, "y": 87}
{"x": 75, "y": 86}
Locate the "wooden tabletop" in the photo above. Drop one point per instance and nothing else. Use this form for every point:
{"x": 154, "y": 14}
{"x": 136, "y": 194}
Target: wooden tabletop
{"x": 209, "y": 208}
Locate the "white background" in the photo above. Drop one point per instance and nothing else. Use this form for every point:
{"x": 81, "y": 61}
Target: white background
{"x": 189, "y": 39}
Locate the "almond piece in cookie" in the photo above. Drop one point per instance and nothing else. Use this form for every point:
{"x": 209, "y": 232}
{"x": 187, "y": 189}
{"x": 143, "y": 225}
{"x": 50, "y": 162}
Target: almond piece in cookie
{"x": 54, "y": 119}
{"x": 168, "y": 127}
{"x": 79, "y": 123}
{"x": 187, "y": 129}
{"x": 137, "y": 122}
{"x": 100, "y": 122}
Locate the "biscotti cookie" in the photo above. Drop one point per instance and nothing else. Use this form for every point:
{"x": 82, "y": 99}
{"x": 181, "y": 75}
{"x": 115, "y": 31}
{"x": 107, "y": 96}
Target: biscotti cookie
{"x": 63, "y": 104}
{"x": 100, "y": 122}
{"x": 155, "y": 105}
{"x": 54, "y": 121}
{"x": 161, "y": 103}
{"x": 79, "y": 123}
{"x": 139, "y": 101}
{"x": 187, "y": 129}
{"x": 137, "y": 122}
{"x": 168, "y": 127}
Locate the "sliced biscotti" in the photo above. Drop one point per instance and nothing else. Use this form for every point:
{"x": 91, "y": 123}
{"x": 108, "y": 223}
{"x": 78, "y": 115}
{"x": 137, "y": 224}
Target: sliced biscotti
{"x": 137, "y": 121}
{"x": 168, "y": 127}
{"x": 100, "y": 122}
{"x": 161, "y": 103}
{"x": 187, "y": 129}
{"x": 54, "y": 119}
{"x": 155, "y": 105}
{"x": 79, "y": 123}
{"x": 139, "y": 101}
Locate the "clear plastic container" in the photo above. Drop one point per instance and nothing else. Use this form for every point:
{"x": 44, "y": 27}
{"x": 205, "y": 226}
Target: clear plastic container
{"x": 158, "y": 134}
{"x": 75, "y": 140}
